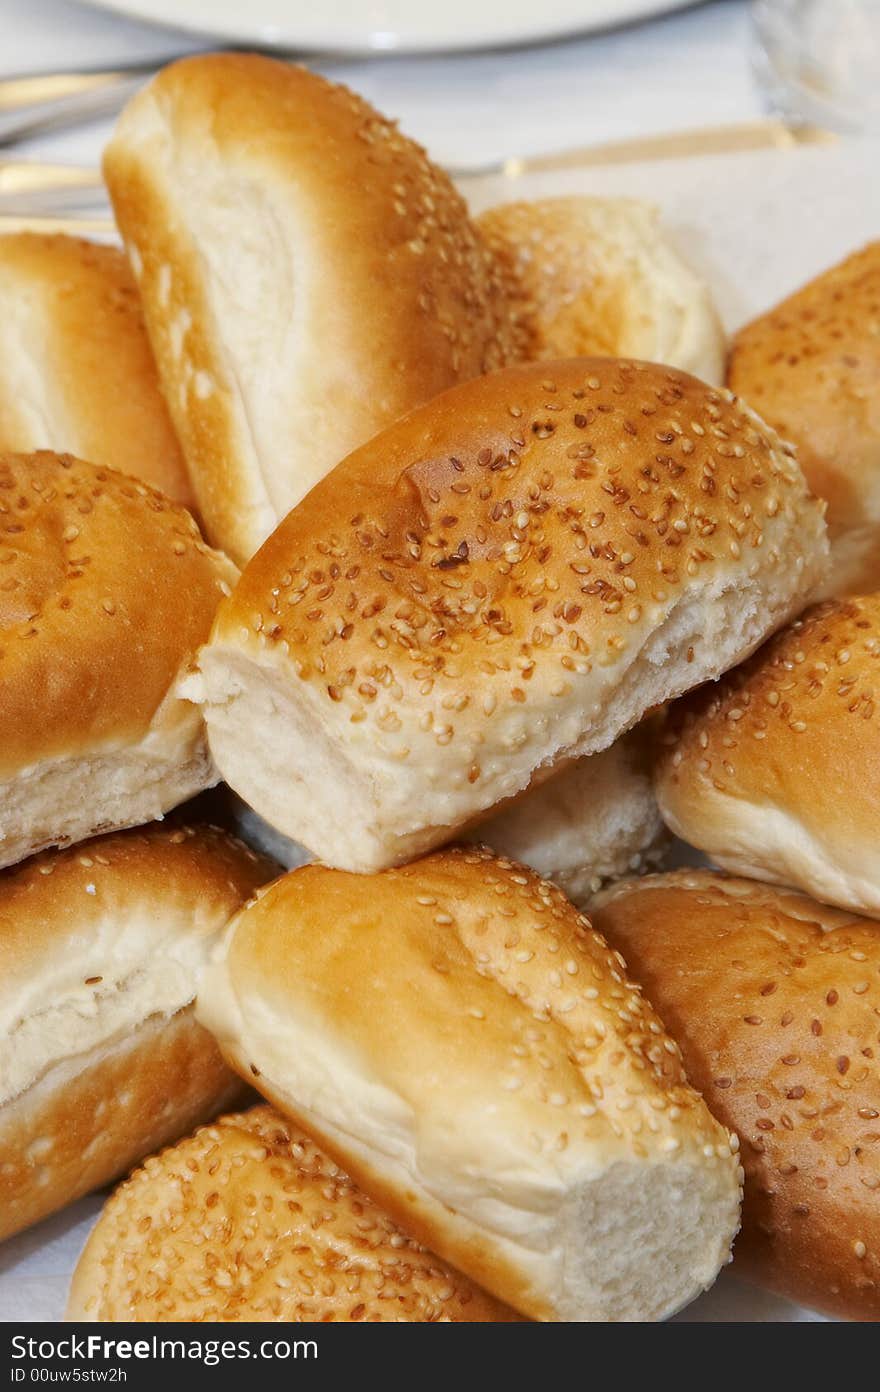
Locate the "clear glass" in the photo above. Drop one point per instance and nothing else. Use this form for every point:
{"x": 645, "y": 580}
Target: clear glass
{"x": 818, "y": 61}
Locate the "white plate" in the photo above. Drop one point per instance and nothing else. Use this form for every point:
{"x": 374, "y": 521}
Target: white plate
{"x": 402, "y": 26}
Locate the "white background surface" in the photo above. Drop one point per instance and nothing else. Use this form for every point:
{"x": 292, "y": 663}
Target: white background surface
{"x": 755, "y": 225}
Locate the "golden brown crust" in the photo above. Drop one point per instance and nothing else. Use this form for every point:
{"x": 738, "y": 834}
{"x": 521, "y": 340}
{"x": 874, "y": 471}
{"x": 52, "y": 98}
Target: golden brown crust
{"x": 566, "y": 307}
{"x": 507, "y": 578}
{"x": 248, "y": 1220}
{"x": 774, "y": 1000}
{"x": 107, "y": 591}
{"x": 78, "y": 316}
{"x": 50, "y": 901}
{"x": 775, "y": 771}
{"x": 391, "y": 294}
{"x": 416, "y": 539}
{"x": 80, "y": 1128}
{"x": 595, "y": 277}
{"x": 811, "y": 367}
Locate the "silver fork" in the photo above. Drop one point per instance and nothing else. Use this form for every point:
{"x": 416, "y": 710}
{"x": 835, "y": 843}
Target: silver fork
{"x": 41, "y": 102}
{"x": 73, "y": 198}
{"x": 58, "y": 189}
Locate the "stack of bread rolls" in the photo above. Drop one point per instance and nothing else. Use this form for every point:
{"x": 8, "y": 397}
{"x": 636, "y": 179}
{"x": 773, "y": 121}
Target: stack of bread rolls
{"x": 522, "y": 589}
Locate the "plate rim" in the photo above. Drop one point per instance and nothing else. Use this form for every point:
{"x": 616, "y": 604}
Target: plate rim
{"x": 372, "y": 43}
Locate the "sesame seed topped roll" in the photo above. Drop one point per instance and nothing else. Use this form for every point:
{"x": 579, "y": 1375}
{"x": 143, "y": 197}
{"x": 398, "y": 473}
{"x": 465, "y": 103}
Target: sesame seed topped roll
{"x": 461, "y": 1041}
{"x": 506, "y": 579}
{"x": 811, "y": 367}
{"x": 249, "y": 1220}
{"x": 596, "y": 277}
{"x": 106, "y": 592}
{"x": 307, "y": 276}
{"x": 775, "y": 773}
{"x": 774, "y": 1000}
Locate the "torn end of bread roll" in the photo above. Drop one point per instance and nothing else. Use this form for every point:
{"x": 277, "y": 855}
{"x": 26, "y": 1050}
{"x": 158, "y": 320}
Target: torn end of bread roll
{"x": 360, "y": 288}
{"x": 469, "y": 1050}
{"x": 774, "y": 1000}
{"x": 775, "y": 772}
{"x": 494, "y": 586}
{"x": 89, "y": 1120}
{"x": 596, "y": 277}
{"x": 811, "y": 367}
{"x": 594, "y": 821}
{"x": 249, "y": 1220}
{"x": 108, "y": 592}
{"x": 101, "y": 1059}
{"x": 76, "y": 370}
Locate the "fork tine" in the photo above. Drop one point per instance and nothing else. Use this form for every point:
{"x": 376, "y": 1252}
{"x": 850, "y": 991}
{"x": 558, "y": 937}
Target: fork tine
{"x": 101, "y": 227}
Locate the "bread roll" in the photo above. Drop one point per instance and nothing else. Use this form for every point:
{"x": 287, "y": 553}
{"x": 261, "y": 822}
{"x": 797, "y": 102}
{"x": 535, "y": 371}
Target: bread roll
{"x": 249, "y": 1220}
{"x": 101, "y": 1060}
{"x": 505, "y": 580}
{"x": 106, "y": 592}
{"x": 596, "y": 277}
{"x": 774, "y": 1000}
{"x": 307, "y": 276}
{"x": 775, "y": 772}
{"x": 811, "y": 367}
{"x": 594, "y": 821}
{"x": 76, "y": 370}
{"x": 472, "y": 1054}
